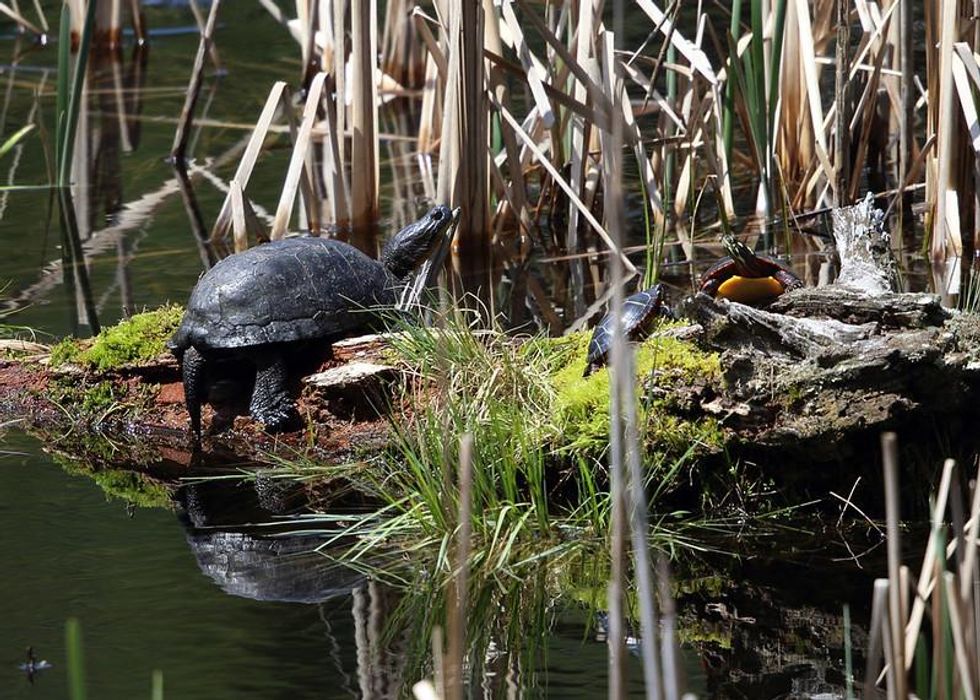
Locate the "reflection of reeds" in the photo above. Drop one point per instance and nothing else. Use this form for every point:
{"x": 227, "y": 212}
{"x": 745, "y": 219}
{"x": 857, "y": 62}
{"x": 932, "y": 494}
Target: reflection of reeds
{"x": 946, "y": 661}
{"x": 70, "y": 95}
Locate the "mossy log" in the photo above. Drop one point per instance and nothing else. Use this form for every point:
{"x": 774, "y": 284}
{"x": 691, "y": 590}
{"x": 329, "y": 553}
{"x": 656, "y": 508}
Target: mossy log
{"x": 816, "y": 375}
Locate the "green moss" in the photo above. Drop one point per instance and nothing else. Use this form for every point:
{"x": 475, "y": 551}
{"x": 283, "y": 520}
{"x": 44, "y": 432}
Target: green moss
{"x": 66, "y": 352}
{"x": 139, "y": 338}
{"x": 98, "y": 397}
{"x": 663, "y": 364}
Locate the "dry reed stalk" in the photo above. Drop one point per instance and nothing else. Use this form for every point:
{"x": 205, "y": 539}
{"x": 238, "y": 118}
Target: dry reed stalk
{"x": 245, "y": 222}
{"x": 22, "y": 21}
{"x": 463, "y": 166}
{"x": 201, "y": 27}
{"x": 249, "y": 157}
{"x": 561, "y": 182}
{"x": 794, "y": 144}
{"x": 925, "y": 585}
{"x": 889, "y": 449}
{"x": 954, "y": 605}
{"x": 456, "y": 632}
{"x": 207, "y": 252}
{"x": 364, "y": 116}
{"x": 946, "y": 240}
{"x": 626, "y": 454}
{"x": 879, "y": 625}
{"x": 580, "y": 136}
{"x": 438, "y": 661}
{"x": 842, "y": 142}
{"x": 400, "y": 55}
{"x": 309, "y": 209}
{"x": 297, "y": 162}
{"x": 966, "y": 71}
{"x": 620, "y": 386}
{"x": 238, "y": 216}
{"x": 866, "y": 111}
{"x": 906, "y": 67}
{"x": 534, "y": 69}
{"x": 179, "y": 148}
{"x": 602, "y": 106}
{"x": 808, "y": 60}
{"x": 968, "y": 570}
{"x": 333, "y": 174}
{"x": 433, "y": 92}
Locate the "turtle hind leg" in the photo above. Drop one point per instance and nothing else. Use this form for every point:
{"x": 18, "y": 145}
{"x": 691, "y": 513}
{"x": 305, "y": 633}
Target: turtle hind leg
{"x": 193, "y": 367}
{"x": 271, "y": 403}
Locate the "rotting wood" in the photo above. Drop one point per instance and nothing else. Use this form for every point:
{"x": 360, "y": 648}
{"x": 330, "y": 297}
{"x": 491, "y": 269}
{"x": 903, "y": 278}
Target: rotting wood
{"x": 823, "y": 364}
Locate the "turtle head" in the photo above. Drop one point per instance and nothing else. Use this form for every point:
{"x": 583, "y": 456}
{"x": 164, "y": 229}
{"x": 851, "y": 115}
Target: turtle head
{"x": 746, "y": 262}
{"x": 417, "y": 242}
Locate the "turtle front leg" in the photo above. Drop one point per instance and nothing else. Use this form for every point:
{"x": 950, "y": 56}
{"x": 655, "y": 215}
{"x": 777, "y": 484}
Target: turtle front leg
{"x": 192, "y": 367}
{"x": 788, "y": 280}
{"x": 271, "y": 404}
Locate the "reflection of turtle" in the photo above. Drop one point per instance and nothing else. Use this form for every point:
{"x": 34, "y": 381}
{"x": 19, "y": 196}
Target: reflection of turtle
{"x": 266, "y": 300}
{"x": 639, "y": 312}
{"x": 746, "y": 277}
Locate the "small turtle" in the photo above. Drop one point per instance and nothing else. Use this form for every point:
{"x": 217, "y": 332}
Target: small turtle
{"x": 745, "y": 277}
{"x": 260, "y": 304}
{"x": 639, "y": 312}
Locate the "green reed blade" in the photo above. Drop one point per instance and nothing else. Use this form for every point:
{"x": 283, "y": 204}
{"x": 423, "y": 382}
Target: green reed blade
{"x": 776, "y": 61}
{"x": 922, "y": 665}
{"x": 156, "y": 692}
{"x": 728, "y": 117}
{"x": 70, "y": 122}
{"x": 74, "y": 658}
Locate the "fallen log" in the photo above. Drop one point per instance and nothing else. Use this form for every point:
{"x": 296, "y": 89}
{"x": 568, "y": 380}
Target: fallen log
{"x": 814, "y": 377}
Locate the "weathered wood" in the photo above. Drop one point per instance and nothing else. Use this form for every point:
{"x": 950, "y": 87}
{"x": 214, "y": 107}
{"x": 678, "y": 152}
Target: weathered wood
{"x": 863, "y": 247}
{"x": 819, "y": 368}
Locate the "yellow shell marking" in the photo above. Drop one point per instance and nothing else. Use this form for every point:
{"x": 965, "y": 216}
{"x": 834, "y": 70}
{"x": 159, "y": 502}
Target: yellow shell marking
{"x": 750, "y": 290}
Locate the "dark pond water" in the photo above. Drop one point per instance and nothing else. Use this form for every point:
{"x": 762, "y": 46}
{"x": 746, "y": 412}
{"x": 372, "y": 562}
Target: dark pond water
{"x": 152, "y": 593}
{"x": 225, "y": 611}
{"x": 219, "y": 613}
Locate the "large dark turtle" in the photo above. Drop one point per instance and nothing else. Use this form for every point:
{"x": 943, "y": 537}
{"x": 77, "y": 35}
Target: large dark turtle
{"x": 258, "y": 304}
{"x": 745, "y": 277}
{"x": 639, "y": 312}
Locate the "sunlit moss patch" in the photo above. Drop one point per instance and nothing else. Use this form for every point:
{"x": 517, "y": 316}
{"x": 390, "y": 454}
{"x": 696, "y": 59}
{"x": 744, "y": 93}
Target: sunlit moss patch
{"x": 139, "y": 338}
{"x": 663, "y": 364}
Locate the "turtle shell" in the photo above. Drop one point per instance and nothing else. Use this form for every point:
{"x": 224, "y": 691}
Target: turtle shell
{"x": 639, "y": 311}
{"x": 294, "y": 289}
{"x": 743, "y": 262}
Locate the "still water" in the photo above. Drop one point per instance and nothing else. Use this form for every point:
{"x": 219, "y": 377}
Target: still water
{"x": 156, "y": 590}
{"x": 201, "y": 604}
